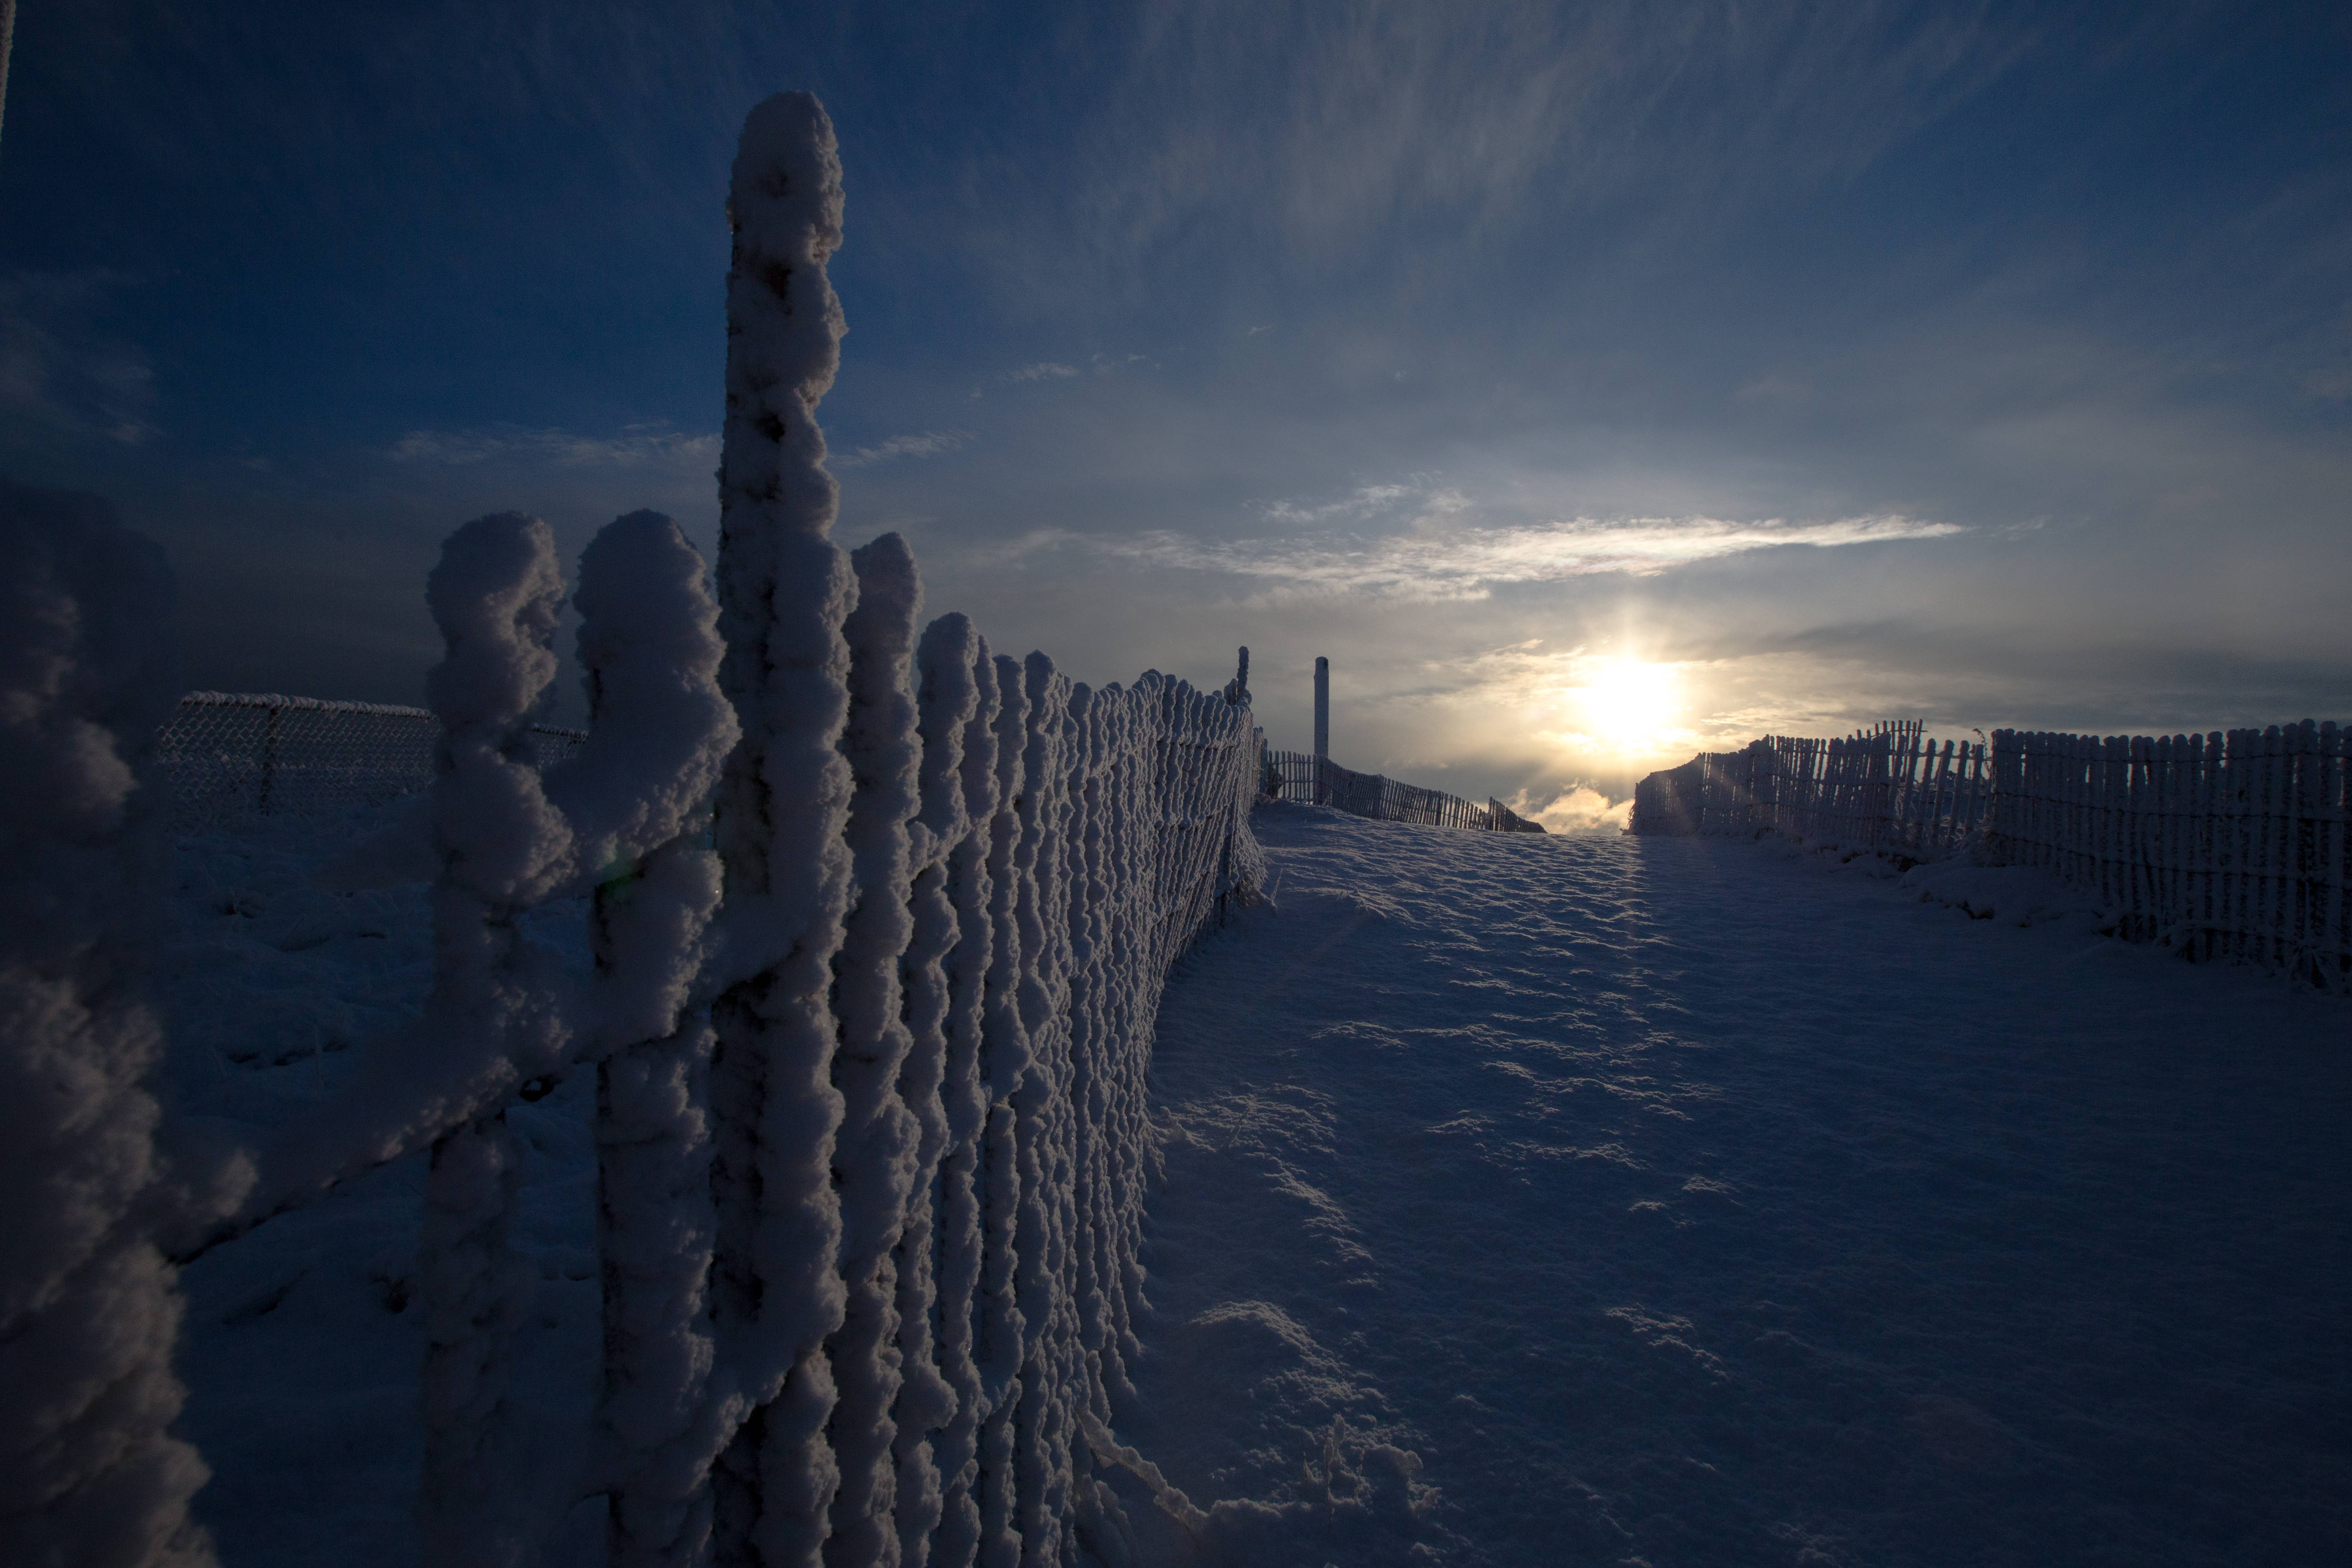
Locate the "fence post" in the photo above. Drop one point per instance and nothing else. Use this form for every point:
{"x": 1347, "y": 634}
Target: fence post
{"x": 89, "y": 1307}
{"x": 268, "y": 759}
{"x": 1322, "y": 725}
{"x": 784, "y": 589}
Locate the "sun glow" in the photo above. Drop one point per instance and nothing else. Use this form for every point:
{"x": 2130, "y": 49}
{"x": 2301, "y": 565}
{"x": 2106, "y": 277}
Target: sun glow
{"x": 1629, "y": 706}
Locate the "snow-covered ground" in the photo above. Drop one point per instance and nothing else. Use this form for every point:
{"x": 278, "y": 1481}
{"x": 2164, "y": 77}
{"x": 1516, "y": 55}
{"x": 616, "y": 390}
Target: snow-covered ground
{"x": 1586, "y": 1199}
{"x": 300, "y": 1349}
{"x": 1683, "y": 1201}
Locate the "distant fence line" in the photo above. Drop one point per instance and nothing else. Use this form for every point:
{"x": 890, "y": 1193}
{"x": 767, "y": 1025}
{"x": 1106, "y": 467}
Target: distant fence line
{"x": 2222, "y": 845}
{"x": 232, "y": 755}
{"x": 1888, "y": 788}
{"x": 1319, "y": 780}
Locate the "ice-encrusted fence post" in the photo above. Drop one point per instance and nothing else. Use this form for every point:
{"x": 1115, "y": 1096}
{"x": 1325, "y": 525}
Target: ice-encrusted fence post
{"x": 1042, "y": 1112}
{"x": 660, "y": 731}
{"x": 875, "y": 1160}
{"x": 785, "y": 589}
{"x": 89, "y": 1472}
{"x": 999, "y": 1327}
{"x": 959, "y": 678}
{"x": 498, "y": 838}
{"x": 496, "y": 595}
{"x": 945, "y": 965}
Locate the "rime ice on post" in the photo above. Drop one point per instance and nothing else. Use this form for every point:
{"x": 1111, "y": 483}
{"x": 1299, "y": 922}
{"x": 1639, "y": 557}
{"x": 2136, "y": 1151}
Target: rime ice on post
{"x": 934, "y": 1251}
{"x": 89, "y": 1472}
{"x": 785, "y": 589}
{"x": 1041, "y": 1109}
{"x": 998, "y": 1327}
{"x": 956, "y": 658}
{"x": 661, "y": 730}
{"x": 619, "y": 818}
{"x": 874, "y": 1157}
{"x": 496, "y": 595}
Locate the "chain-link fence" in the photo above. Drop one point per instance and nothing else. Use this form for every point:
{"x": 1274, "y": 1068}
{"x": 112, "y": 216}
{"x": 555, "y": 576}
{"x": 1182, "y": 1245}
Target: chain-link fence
{"x": 235, "y": 756}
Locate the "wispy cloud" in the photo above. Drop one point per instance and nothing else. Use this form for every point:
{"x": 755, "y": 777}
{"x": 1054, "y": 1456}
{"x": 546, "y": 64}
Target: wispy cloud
{"x": 930, "y": 443}
{"x": 1241, "y": 119}
{"x": 635, "y": 446}
{"x": 60, "y": 374}
{"x": 1469, "y": 563}
{"x": 1369, "y": 501}
{"x": 1043, "y": 370}
{"x": 1773, "y": 389}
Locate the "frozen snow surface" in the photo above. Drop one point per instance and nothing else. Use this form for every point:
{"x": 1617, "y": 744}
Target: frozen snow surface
{"x": 1694, "y": 1201}
{"x": 303, "y": 1340}
{"x": 1525, "y": 1201}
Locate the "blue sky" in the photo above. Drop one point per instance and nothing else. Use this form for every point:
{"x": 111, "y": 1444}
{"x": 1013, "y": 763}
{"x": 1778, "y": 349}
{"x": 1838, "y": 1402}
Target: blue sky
{"x": 1589, "y": 383}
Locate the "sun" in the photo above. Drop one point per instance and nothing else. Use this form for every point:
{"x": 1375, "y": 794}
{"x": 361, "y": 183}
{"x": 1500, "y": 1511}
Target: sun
{"x": 1627, "y": 703}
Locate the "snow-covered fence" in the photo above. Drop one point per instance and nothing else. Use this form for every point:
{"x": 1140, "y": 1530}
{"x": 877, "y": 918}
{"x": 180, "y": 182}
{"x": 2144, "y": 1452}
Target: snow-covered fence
{"x": 870, "y": 1109}
{"x": 2221, "y": 845}
{"x": 1888, "y": 788}
{"x": 1319, "y": 780}
{"x": 2224, "y": 846}
{"x": 955, "y": 885}
{"x": 497, "y": 835}
{"x": 229, "y": 755}
{"x": 89, "y": 1472}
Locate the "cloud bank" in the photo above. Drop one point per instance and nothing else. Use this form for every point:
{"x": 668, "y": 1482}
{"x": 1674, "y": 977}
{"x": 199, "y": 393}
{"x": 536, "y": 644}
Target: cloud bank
{"x": 1442, "y": 564}
{"x": 636, "y": 446}
{"x": 930, "y": 443}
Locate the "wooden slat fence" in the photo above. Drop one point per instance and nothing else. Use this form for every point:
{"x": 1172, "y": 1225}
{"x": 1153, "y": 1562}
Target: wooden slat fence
{"x": 1889, "y": 788}
{"x": 2222, "y": 845}
{"x": 1301, "y": 777}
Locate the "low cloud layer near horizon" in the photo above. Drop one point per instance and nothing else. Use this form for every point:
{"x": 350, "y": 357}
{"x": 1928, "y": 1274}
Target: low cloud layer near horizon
{"x": 1590, "y": 383}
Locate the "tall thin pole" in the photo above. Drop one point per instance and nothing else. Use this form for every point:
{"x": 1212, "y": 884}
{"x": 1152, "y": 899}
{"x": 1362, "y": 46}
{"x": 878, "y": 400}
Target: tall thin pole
{"x": 1322, "y": 723}
{"x": 7, "y": 45}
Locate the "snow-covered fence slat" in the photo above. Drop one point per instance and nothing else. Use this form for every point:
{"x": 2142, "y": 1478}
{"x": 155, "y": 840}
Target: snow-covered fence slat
{"x": 1319, "y": 780}
{"x": 89, "y": 1472}
{"x": 2223, "y": 845}
{"x": 230, "y": 755}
